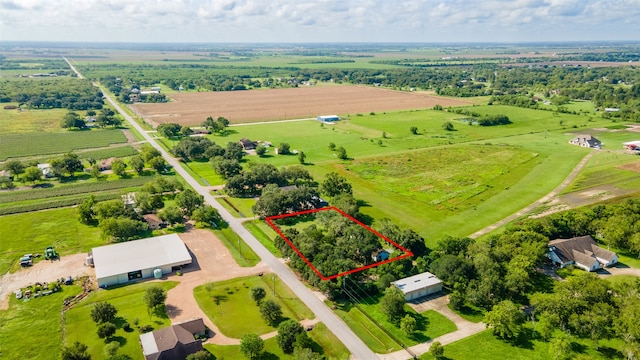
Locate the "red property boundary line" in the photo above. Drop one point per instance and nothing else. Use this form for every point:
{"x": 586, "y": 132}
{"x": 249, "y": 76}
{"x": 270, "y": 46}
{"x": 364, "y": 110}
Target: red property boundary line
{"x": 270, "y": 219}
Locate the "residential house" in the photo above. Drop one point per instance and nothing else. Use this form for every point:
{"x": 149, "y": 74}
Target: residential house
{"x": 586, "y": 141}
{"x": 154, "y": 221}
{"x": 47, "y": 170}
{"x": 380, "y": 255}
{"x": 248, "y": 144}
{"x": 174, "y": 342}
{"x": 583, "y": 252}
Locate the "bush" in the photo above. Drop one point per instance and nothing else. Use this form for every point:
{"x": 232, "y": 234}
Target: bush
{"x": 106, "y": 330}
{"x": 126, "y": 327}
{"x": 145, "y": 329}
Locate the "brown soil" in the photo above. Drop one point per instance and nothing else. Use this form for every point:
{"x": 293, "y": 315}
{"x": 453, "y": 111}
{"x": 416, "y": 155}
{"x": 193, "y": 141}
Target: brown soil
{"x": 634, "y": 166}
{"x": 282, "y": 104}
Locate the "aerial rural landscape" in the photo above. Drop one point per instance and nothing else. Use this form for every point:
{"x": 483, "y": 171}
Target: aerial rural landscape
{"x": 356, "y": 198}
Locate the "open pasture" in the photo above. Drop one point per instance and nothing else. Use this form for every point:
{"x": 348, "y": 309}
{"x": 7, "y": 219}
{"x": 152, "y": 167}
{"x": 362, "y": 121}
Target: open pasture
{"x": 17, "y": 145}
{"x": 25, "y": 120}
{"x": 282, "y": 104}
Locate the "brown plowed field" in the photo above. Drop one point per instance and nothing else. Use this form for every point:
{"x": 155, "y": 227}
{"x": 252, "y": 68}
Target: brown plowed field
{"x": 283, "y": 104}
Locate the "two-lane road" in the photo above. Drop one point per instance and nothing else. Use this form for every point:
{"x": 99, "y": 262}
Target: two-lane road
{"x": 357, "y": 348}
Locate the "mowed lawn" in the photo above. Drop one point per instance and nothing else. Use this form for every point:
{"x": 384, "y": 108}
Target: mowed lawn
{"x": 32, "y": 329}
{"x": 485, "y": 346}
{"x": 44, "y": 143}
{"x": 31, "y": 233}
{"x": 229, "y": 305}
{"x": 130, "y": 303}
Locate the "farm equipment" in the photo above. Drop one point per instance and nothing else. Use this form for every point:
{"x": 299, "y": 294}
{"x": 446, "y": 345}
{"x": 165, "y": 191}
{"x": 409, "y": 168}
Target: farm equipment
{"x": 26, "y": 260}
{"x": 50, "y": 253}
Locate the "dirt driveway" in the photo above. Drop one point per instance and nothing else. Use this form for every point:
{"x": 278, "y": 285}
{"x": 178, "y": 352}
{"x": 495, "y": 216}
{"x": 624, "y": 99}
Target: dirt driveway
{"x": 43, "y": 271}
{"x": 211, "y": 262}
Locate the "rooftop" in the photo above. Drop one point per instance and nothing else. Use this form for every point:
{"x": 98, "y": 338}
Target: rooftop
{"x": 135, "y": 255}
{"x": 415, "y": 282}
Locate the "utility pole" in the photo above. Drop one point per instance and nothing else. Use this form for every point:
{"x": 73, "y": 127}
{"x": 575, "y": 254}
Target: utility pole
{"x": 274, "y": 284}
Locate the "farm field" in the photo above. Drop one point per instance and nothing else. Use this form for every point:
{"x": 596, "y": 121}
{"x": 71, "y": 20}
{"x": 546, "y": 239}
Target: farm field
{"x": 24, "y": 121}
{"x": 282, "y": 104}
{"x": 17, "y": 145}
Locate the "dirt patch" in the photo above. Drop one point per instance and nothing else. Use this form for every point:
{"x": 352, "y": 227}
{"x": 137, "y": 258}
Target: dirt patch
{"x": 44, "y": 271}
{"x": 634, "y": 166}
{"x": 282, "y": 104}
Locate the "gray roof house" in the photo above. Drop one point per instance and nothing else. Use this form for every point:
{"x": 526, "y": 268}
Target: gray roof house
{"x": 582, "y": 251}
{"x": 174, "y": 342}
{"x": 586, "y": 141}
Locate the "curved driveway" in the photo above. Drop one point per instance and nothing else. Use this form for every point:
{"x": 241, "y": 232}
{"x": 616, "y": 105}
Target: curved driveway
{"x": 357, "y": 348}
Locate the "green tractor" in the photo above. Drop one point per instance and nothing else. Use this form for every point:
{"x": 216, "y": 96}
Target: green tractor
{"x": 50, "y": 253}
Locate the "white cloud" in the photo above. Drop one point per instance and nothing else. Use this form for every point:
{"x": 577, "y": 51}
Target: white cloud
{"x": 319, "y": 20}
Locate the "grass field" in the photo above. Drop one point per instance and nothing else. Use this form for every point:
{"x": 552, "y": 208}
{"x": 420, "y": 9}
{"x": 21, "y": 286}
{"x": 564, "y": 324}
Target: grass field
{"x": 485, "y": 346}
{"x": 130, "y": 304}
{"x": 30, "y": 121}
{"x": 239, "y": 207}
{"x": 236, "y": 313}
{"x": 17, "y": 145}
{"x": 241, "y": 252}
{"x": 32, "y": 329}
{"x": 265, "y": 234}
{"x": 430, "y": 325}
{"x": 325, "y": 343}
{"x": 31, "y": 233}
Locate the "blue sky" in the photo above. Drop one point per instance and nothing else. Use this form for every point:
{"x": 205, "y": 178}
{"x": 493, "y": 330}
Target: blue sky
{"x": 319, "y": 21}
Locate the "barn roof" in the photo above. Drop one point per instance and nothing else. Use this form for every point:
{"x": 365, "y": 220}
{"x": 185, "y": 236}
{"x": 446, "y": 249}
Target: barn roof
{"x": 416, "y": 282}
{"x": 141, "y": 254}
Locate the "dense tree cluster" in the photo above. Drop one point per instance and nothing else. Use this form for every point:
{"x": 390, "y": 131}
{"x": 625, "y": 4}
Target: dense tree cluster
{"x": 276, "y": 201}
{"x": 72, "y": 94}
{"x": 201, "y": 148}
{"x": 251, "y": 183}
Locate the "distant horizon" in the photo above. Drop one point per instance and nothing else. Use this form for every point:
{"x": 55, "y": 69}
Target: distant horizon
{"x": 327, "y": 21}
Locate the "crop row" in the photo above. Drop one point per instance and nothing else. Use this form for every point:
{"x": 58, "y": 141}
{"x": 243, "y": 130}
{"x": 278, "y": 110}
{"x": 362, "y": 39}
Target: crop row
{"x": 94, "y": 188}
{"x": 45, "y": 143}
{"x": 55, "y": 203}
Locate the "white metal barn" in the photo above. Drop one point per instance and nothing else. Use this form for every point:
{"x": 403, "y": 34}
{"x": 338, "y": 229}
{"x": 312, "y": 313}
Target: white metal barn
{"x": 420, "y": 285}
{"x": 138, "y": 259}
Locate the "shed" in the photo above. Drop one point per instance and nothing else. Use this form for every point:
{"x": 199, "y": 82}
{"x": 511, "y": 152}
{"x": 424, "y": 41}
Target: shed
{"x": 417, "y": 286}
{"x": 133, "y": 260}
{"x": 328, "y": 118}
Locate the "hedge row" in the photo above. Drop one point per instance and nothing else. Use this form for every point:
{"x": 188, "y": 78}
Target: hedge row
{"x": 56, "y": 203}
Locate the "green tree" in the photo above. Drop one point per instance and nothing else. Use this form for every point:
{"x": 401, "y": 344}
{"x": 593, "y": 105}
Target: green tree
{"x": 15, "y": 166}
{"x": 189, "y": 200}
{"x": 106, "y": 330}
{"x": 85, "y": 210}
{"x": 595, "y": 323}
{"x": 392, "y": 304}
{"x": 560, "y": 347}
{"x": 332, "y": 146}
{"x": 121, "y": 228}
{"x": 342, "y": 153}
{"x": 207, "y": 216}
{"x": 334, "y": 185}
{"x": 287, "y": 332}
{"x": 302, "y": 157}
{"x": 171, "y": 214}
{"x": 147, "y": 203}
{"x": 251, "y": 346}
{"x": 95, "y": 172}
{"x": 505, "y": 319}
{"x": 414, "y": 130}
{"x": 72, "y": 120}
{"x": 257, "y": 294}
{"x": 77, "y": 351}
{"x": 186, "y": 131}
{"x": 284, "y": 149}
{"x": 111, "y": 349}
{"x": 148, "y": 152}
{"x": 158, "y": 164}
{"x": 137, "y": 164}
{"x": 408, "y": 324}
{"x": 154, "y": 297}
{"x": 271, "y": 312}
{"x": 448, "y": 125}
{"x": 169, "y": 130}
{"x": 32, "y": 173}
{"x": 103, "y": 312}
{"x": 118, "y": 167}
{"x": 437, "y": 350}
{"x": 71, "y": 163}
{"x": 261, "y": 150}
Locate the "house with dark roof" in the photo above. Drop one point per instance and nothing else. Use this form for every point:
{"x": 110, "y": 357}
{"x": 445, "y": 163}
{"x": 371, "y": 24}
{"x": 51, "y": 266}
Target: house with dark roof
{"x": 248, "y": 144}
{"x": 583, "y": 252}
{"x": 586, "y": 141}
{"x": 174, "y": 342}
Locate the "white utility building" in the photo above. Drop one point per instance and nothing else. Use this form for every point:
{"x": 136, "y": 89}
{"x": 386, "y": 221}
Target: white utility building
{"x": 420, "y": 285}
{"x": 138, "y": 259}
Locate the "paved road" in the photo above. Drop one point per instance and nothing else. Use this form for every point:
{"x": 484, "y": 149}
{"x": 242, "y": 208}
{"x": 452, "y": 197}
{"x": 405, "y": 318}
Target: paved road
{"x": 357, "y": 348}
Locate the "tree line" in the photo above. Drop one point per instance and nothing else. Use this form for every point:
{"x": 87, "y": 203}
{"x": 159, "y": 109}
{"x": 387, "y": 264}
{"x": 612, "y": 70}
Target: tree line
{"x": 72, "y": 94}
